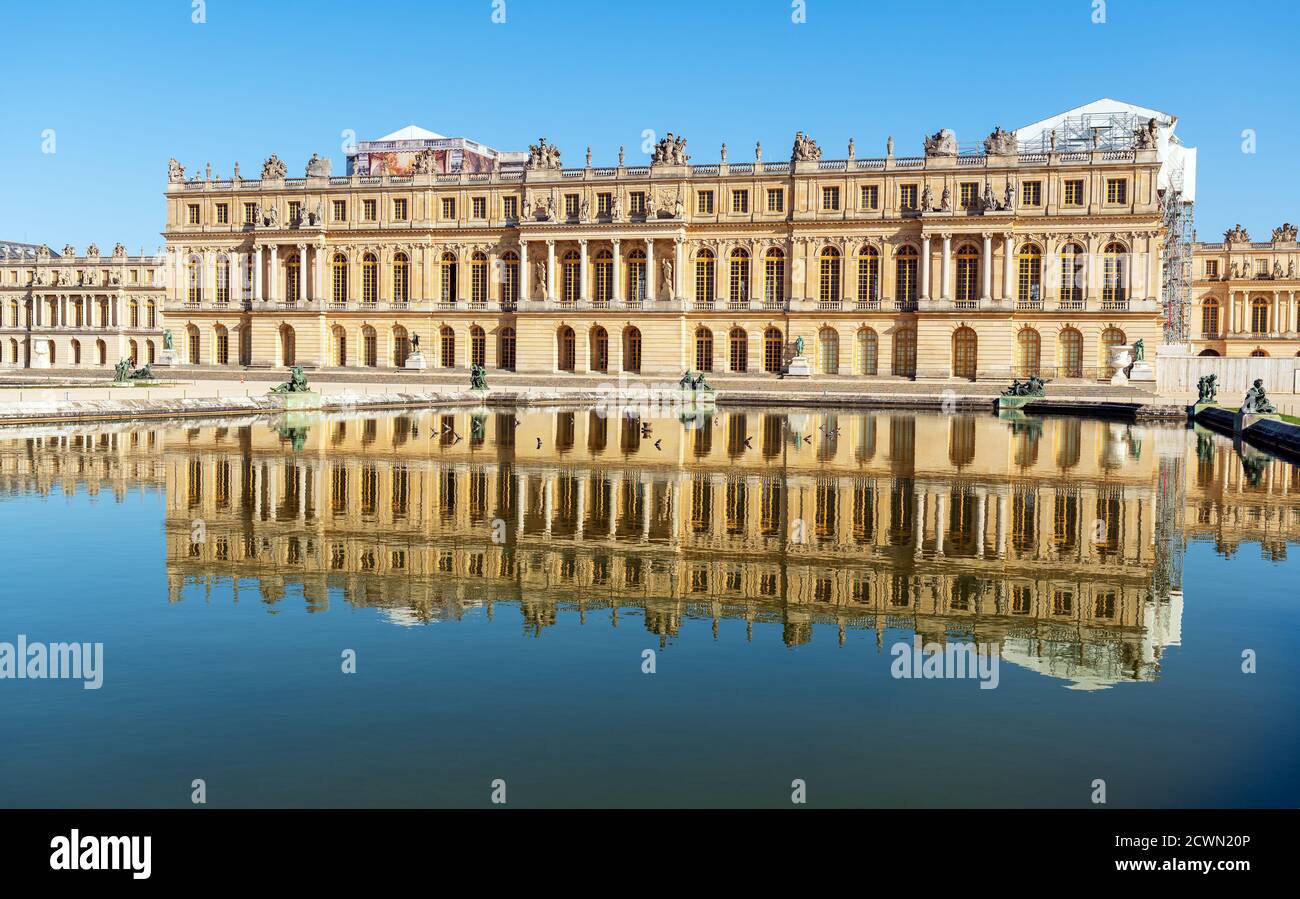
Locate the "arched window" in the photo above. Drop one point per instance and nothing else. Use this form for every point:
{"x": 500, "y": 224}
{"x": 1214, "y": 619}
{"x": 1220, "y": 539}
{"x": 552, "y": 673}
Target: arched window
{"x": 478, "y": 281}
{"x": 1072, "y": 274}
{"x": 964, "y": 353}
{"x": 1029, "y": 280}
{"x": 828, "y": 278}
{"x": 369, "y": 279}
{"x": 703, "y": 349}
{"x": 566, "y": 356}
{"x": 1028, "y": 352}
{"x": 447, "y": 287}
{"x": 632, "y": 350}
{"x": 509, "y": 280}
{"x": 1071, "y": 353}
{"x": 636, "y": 278}
{"x": 339, "y": 278}
{"x": 133, "y": 314}
{"x": 868, "y": 352}
{"x": 151, "y": 314}
{"x": 571, "y": 277}
{"x": 101, "y": 353}
{"x": 1114, "y": 285}
{"x": 477, "y": 346}
{"x": 704, "y": 279}
{"x": 401, "y": 346}
{"x": 339, "y": 340}
{"x": 369, "y": 347}
{"x": 76, "y": 352}
{"x": 293, "y": 279}
{"x": 401, "y": 278}
{"x": 868, "y": 277}
{"x": 968, "y": 275}
{"x": 1259, "y": 316}
{"x": 221, "y": 344}
{"x": 506, "y": 349}
{"x": 447, "y": 348}
{"x": 905, "y": 353}
{"x": 906, "y": 265}
{"x": 1259, "y": 353}
{"x": 1110, "y": 338}
{"x": 599, "y": 349}
{"x": 288, "y": 346}
{"x": 773, "y": 351}
{"x": 738, "y": 350}
{"x": 774, "y": 278}
{"x": 133, "y": 351}
{"x": 193, "y": 281}
{"x": 1210, "y": 318}
{"x": 602, "y": 272}
{"x": 738, "y": 282}
{"x": 194, "y": 350}
{"x": 828, "y": 351}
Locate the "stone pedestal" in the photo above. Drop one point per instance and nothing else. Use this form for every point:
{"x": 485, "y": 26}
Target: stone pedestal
{"x": 1120, "y": 357}
{"x": 40, "y": 354}
{"x": 1243, "y": 420}
{"x": 167, "y": 358}
{"x": 307, "y": 401}
{"x": 799, "y": 368}
{"x": 415, "y": 361}
{"x": 1142, "y": 372}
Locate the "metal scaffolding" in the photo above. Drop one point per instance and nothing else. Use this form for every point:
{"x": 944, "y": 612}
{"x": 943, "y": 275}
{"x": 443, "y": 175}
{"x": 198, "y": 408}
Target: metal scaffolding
{"x": 1179, "y": 221}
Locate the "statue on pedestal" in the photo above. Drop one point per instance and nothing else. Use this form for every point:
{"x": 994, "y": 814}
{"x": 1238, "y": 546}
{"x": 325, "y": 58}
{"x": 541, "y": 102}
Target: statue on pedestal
{"x": 1256, "y": 401}
{"x": 1207, "y": 389}
{"x": 477, "y": 378}
{"x": 297, "y": 382}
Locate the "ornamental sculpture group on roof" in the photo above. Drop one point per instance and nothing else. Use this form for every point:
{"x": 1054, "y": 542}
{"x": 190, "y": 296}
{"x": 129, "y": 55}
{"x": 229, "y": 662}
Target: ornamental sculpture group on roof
{"x": 1236, "y": 235}
{"x": 805, "y": 148}
{"x": 1285, "y": 233}
{"x": 670, "y": 151}
{"x": 542, "y": 155}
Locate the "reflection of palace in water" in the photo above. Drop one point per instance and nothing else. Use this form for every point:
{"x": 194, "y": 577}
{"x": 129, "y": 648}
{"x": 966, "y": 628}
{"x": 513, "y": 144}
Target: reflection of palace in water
{"x": 1060, "y": 539}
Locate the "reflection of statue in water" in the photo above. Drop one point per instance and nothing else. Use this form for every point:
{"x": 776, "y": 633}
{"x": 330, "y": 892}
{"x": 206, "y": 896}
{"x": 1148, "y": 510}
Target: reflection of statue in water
{"x": 296, "y": 436}
{"x": 1207, "y": 389}
{"x": 1032, "y": 386}
{"x": 1256, "y": 401}
{"x": 1254, "y": 464}
{"x": 477, "y": 378}
{"x": 297, "y": 382}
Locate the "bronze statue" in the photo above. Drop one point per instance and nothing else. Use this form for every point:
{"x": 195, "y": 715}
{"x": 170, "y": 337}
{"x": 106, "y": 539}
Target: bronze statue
{"x": 1256, "y": 401}
{"x": 1032, "y": 386}
{"x": 297, "y": 382}
{"x": 1207, "y": 389}
{"x": 477, "y": 378}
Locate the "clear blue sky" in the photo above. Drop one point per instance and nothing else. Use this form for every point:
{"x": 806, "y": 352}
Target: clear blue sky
{"x": 125, "y": 85}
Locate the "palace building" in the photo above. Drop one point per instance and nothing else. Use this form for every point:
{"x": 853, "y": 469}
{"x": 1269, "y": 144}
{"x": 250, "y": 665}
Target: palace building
{"x": 1032, "y": 252}
{"x": 1246, "y": 293}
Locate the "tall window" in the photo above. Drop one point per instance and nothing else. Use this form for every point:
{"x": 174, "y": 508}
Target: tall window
{"x": 506, "y": 349}
{"x": 193, "y": 281}
{"x": 774, "y": 277}
{"x": 1210, "y": 318}
{"x": 339, "y": 274}
{"x": 868, "y": 352}
{"x": 293, "y": 279}
{"x": 1029, "y": 284}
{"x": 477, "y": 346}
{"x": 602, "y": 271}
{"x": 773, "y": 351}
{"x": 632, "y": 350}
{"x": 868, "y": 276}
{"x": 1259, "y": 315}
{"x": 1072, "y": 273}
{"x": 571, "y": 270}
{"x": 223, "y": 280}
{"x": 478, "y": 281}
{"x": 1028, "y": 352}
{"x": 447, "y": 279}
{"x": 447, "y": 337}
{"x": 369, "y": 279}
{"x": 828, "y": 350}
{"x": 905, "y": 352}
{"x": 968, "y": 274}
{"x": 636, "y": 276}
{"x": 1114, "y": 274}
{"x": 704, "y": 349}
{"x": 704, "y": 279}
{"x": 828, "y": 281}
{"x": 1071, "y": 353}
{"x": 738, "y": 350}
{"x": 401, "y": 278}
{"x": 509, "y": 280}
{"x": 223, "y": 346}
{"x": 906, "y": 266}
{"x": 738, "y": 282}
{"x": 964, "y": 358}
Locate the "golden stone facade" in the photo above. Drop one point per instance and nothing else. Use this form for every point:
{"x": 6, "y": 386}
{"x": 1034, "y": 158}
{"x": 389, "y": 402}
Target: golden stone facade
{"x": 1245, "y": 295}
{"x": 941, "y": 265}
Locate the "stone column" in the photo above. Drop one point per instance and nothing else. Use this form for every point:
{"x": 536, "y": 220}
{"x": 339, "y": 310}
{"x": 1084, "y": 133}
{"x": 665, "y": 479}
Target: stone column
{"x": 649, "y": 269}
{"x": 550, "y": 271}
{"x": 273, "y": 291}
{"x": 1008, "y": 253}
{"x": 945, "y": 291}
{"x": 925, "y": 268}
{"x": 582, "y": 270}
{"x": 616, "y": 290}
{"x": 257, "y": 273}
{"x": 986, "y": 272}
{"x": 322, "y": 288}
{"x": 677, "y": 269}
{"x": 525, "y": 276}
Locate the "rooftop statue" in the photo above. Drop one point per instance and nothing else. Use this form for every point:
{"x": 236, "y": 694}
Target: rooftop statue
{"x": 1256, "y": 401}
{"x": 1000, "y": 143}
{"x": 274, "y": 169}
{"x": 119, "y": 251}
{"x": 805, "y": 148}
{"x": 1236, "y": 235}
{"x": 1144, "y": 138}
{"x": 942, "y": 143}
{"x": 297, "y": 382}
{"x": 175, "y": 171}
{"x": 542, "y": 155}
{"x": 670, "y": 151}
{"x": 1285, "y": 233}
{"x": 319, "y": 168}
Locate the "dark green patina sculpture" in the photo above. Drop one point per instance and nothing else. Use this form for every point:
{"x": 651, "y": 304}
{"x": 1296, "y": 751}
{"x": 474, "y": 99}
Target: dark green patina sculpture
{"x": 297, "y": 382}
{"x": 1031, "y": 386}
{"x": 1256, "y": 401}
{"x": 122, "y": 372}
{"x": 690, "y": 382}
{"x": 1139, "y": 352}
{"x": 478, "y": 378}
{"x": 1207, "y": 389}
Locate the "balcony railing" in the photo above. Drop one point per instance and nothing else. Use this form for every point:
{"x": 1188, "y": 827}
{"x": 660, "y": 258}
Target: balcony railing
{"x": 904, "y": 305}
{"x": 1115, "y": 304}
{"x": 829, "y": 305}
{"x": 1067, "y": 304}
{"x": 868, "y": 304}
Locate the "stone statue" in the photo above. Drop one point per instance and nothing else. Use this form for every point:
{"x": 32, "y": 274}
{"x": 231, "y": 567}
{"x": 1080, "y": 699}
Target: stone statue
{"x": 758, "y": 151}
{"x": 1290, "y": 269}
{"x": 273, "y": 216}
{"x": 927, "y": 199}
{"x": 1256, "y": 401}
{"x": 542, "y": 155}
{"x": 798, "y": 346}
{"x": 528, "y": 208}
{"x": 167, "y": 339}
{"x": 1009, "y": 195}
{"x": 1032, "y": 386}
{"x": 668, "y": 277}
{"x": 1236, "y": 270}
{"x": 1236, "y": 235}
{"x": 1000, "y": 143}
{"x": 424, "y": 162}
{"x": 671, "y": 150}
{"x": 539, "y": 275}
{"x": 584, "y": 213}
{"x": 1052, "y": 140}
{"x": 616, "y": 209}
{"x": 1286, "y": 233}
{"x": 945, "y": 202}
{"x": 679, "y": 208}
{"x": 620, "y": 156}
{"x": 415, "y": 344}
{"x": 687, "y": 381}
{"x": 701, "y": 385}
{"x": 853, "y": 148}
{"x": 297, "y": 382}
{"x": 477, "y": 378}
{"x": 589, "y": 157}
{"x": 119, "y": 251}
{"x": 175, "y": 171}
{"x": 942, "y": 143}
{"x": 1277, "y": 269}
{"x": 274, "y": 169}
{"x": 1144, "y": 138}
{"x": 889, "y": 146}
{"x": 805, "y": 149}
{"x": 724, "y": 151}
{"x": 121, "y": 371}
{"x": 1139, "y": 351}
{"x": 987, "y": 201}
{"x": 1207, "y": 389}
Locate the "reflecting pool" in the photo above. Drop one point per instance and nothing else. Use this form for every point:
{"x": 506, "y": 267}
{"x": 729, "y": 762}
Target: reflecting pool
{"x": 650, "y": 609}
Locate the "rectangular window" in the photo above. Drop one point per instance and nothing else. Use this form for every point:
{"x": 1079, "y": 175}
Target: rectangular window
{"x": 704, "y": 202}
{"x": 449, "y": 207}
{"x": 399, "y": 209}
{"x": 510, "y": 207}
{"x": 830, "y": 199}
{"x": 194, "y": 214}
{"x": 1031, "y": 193}
{"x": 250, "y": 213}
{"x": 571, "y": 206}
{"x": 1117, "y": 190}
{"x": 368, "y": 208}
{"x": 638, "y": 202}
{"x": 479, "y": 207}
{"x": 1074, "y": 193}
{"x": 223, "y": 214}
{"x": 907, "y": 197}
{"x": 604, "y": 203}
{"x": 870, "y": 196}
{"x": 294, "y": 209}
{"x": 740, "y": 201}
{"x": 775, "y": 200}
{"x": 970, "y": 194}
{"x": 1211, "y": 268}
{"x": 340, "y": 210}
